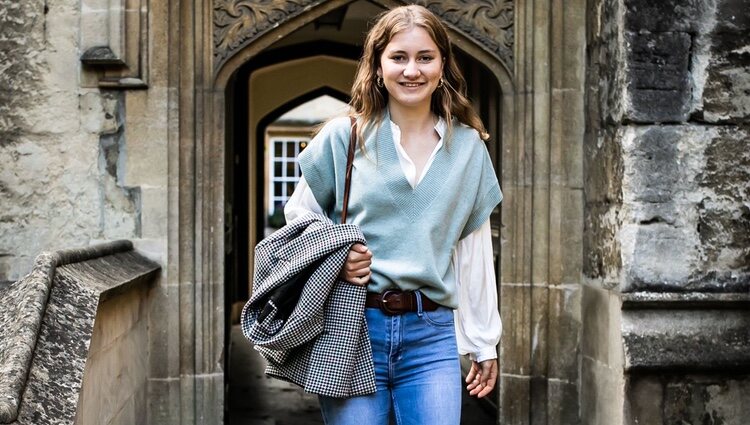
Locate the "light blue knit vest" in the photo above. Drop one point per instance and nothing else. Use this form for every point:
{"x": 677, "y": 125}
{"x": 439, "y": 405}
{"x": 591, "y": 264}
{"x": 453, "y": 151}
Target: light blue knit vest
{"x": 411, "y": 232}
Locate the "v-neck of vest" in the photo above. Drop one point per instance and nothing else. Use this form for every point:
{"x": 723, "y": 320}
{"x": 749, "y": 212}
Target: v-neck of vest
{"x": 411, "y": 201}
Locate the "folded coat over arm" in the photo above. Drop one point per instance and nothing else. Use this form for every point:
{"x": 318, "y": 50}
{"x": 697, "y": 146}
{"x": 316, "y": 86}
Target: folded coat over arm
{"x": 309, "y": 326}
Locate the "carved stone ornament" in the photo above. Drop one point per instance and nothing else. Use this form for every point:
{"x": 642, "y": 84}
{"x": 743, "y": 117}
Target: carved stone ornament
{"x": 238, "y": 22}
{"x": 490, "y": 22}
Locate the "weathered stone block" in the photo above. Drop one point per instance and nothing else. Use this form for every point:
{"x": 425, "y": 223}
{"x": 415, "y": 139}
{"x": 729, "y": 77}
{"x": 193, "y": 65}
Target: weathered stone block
{"x": 53, "y": 198}
{"x": 644, "y": 403}
{"x": 655, "y": 172}
{"x": 564, "y": 332}
{"x": 684, "y": 224}
{"x": 210, "y": 389}
{"x": 164, "y": 341}
{"x": 658, "y": 255}
{"x": 515, "y": 308}
{"x": 726, "y": 91}
{"x": 571, "y": 242}
{"x": 667, "y": 15}
{"x": 538, "y": 391}
{"x": 154, "y": 212}
{"x": 657, "y": 79}
{"x": 573, "y": 123}
{"x": 101, "y": 113}
{"x": 21, "y": 40}
{"x": 95, "y": 15}
{"x": 514, "y": 400}
{"x": 164, "y": 408}
{"x": 707, "y": 399}
{"x": 563, "y": 404}
{"x": 145, "y": 149}
{"x": 539, "y": 330}
{"x": 603, "y": 173}
{"x": 678, "y": 339}
{"x": 602, "y": 393}
{"x": 732, "y": 15}
{"x": 595, "y": 317}
{"x": 602, "y": 251}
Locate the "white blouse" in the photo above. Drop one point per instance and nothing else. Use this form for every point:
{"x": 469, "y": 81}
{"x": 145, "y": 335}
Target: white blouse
{"x": 477, "y": 320}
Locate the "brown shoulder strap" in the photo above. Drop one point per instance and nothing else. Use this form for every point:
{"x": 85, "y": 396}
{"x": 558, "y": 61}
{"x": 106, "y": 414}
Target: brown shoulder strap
{"x": 349, "y": 160}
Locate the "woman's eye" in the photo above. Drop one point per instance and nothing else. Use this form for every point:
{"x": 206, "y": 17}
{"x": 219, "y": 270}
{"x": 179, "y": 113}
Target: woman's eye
{"x": 425, "y": 58}
{"x": 397, "y": 58}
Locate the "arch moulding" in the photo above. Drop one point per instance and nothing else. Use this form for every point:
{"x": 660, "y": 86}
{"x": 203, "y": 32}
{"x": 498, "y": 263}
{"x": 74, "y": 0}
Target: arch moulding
{"x": 242, "y": 28}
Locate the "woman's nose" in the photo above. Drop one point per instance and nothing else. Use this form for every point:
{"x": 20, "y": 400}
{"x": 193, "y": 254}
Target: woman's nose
{"x": 411, "y": 70}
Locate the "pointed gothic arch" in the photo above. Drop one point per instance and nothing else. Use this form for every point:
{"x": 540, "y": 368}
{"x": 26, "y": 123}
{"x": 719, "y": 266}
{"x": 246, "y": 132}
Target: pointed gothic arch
{"x": 238, "y": 54}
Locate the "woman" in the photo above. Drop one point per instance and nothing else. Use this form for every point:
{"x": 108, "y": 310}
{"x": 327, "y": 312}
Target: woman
{"x": 422, "y": 190}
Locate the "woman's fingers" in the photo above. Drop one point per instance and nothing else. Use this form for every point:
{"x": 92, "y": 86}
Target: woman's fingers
{"x": 472, "y": 373}
{"x": 481, "y": 378}
{"x": 356, "y": 269}
{"x": 359, "y": 281}
{"x": 358, "y": 247}
{"x": 472, "y": 379}
{"x": 359, "y": 253}
{"x": 353, "y": 266}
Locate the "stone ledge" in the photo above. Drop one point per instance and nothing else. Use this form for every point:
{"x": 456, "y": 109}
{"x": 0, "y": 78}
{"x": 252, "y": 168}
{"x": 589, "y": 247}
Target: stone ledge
{"x": 45, "y": 326}
{"x": 77, "y": 255}
{"x": 685, "y": 300}
{"x": 684, "y": 338}
{"x": 22, "y": 308}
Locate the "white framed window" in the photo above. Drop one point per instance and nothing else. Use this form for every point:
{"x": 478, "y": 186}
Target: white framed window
{"x": 284, "y": 172}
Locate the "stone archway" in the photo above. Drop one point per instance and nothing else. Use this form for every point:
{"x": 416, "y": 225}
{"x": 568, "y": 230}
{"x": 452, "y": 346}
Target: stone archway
{"x": 542, "y": 186}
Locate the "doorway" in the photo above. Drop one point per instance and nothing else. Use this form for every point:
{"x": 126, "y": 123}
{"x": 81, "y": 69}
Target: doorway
{"x": 315, "y": 60}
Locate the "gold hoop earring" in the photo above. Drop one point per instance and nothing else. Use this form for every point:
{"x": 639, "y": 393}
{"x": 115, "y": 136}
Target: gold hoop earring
{"x": 379, "y": 81}
{"x": 441, "y": 83}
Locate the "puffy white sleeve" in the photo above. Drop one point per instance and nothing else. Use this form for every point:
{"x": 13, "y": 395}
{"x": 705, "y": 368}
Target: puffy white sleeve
{"x": 478, "y": 325}
{"x": 301, "y": 202}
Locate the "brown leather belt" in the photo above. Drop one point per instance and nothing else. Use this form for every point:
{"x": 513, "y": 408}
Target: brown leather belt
{"x": 393, "y": 302}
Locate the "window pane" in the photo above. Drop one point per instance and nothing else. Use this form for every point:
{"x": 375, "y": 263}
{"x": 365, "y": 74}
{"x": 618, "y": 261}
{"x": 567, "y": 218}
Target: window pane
{"x": 290, "y": 167}
{"x": 277, "y": 169}
{"x": 290, "y": 188}
{"x": 277, "y": 146}
{"x": 277, "y": 189}
{"x": 290, "y": 149}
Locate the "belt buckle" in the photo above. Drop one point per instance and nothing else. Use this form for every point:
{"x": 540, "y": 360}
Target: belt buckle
{"x": 384, "y": 302}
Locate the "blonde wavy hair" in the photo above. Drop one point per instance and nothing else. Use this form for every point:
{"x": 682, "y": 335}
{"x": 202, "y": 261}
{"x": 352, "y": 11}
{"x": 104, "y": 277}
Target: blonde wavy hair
{"x": 448, "y": 101}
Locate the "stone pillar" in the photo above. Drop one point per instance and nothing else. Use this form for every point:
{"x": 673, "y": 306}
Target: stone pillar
{"x": 542, "y": 217}
{"x": 667, "y": 256}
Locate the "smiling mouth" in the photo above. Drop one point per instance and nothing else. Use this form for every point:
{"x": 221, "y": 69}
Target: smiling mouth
{"x": 411, "y": 84}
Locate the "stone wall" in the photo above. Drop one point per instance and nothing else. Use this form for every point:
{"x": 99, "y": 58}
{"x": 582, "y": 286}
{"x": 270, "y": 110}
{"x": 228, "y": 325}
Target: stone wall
{"x": 80, "y": 163}
{"x": 61, "y": 146}
{"x": 667, "y": 152}
{"x": 667, "y": 167}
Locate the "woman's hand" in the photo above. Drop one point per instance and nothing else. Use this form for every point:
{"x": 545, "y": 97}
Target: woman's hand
{"x": 356, "y": 269}
{"x": 482, "y": 378}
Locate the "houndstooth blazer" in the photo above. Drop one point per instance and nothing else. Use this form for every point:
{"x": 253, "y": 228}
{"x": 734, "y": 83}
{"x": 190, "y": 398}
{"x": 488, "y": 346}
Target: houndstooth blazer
{"x": 309, "y": 326}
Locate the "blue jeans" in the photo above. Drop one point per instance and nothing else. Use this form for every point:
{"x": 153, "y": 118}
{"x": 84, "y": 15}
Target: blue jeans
{"x": 417, "y": 373}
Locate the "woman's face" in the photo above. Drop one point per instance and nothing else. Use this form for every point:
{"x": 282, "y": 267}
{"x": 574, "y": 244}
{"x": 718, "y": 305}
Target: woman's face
{"x": 411, "y": 67}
